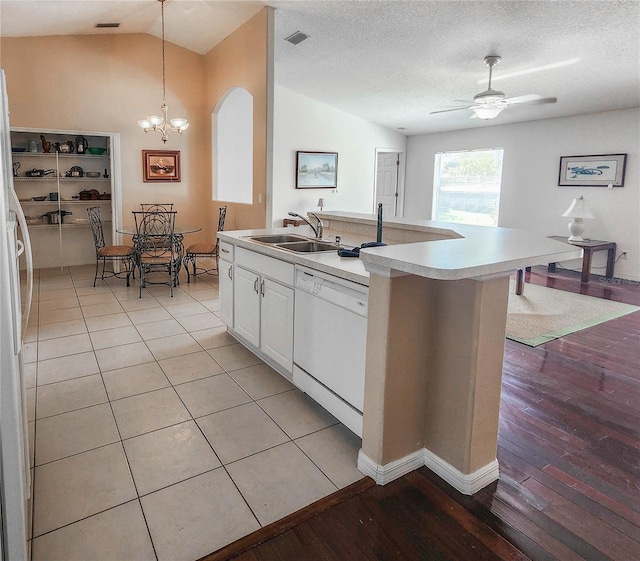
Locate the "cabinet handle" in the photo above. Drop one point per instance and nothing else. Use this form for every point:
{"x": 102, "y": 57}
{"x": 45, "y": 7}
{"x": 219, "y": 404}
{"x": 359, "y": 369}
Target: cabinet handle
{"x": 229, "y": 273}
{"x": 262, "y": 288}
{"x": 224, "y": 250}
{"x": 255, "y": 285}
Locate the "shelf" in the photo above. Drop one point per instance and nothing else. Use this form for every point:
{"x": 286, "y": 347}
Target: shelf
{"x": 84, "y": 202}
{"x": 60, "y": 155}
{"x": 49, "y": 226}
{"x": 62, "y": 179}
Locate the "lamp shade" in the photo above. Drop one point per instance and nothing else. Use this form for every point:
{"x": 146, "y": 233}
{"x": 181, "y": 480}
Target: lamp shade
{"x": 487, "y": 111}
{"x": 579, "y": 209}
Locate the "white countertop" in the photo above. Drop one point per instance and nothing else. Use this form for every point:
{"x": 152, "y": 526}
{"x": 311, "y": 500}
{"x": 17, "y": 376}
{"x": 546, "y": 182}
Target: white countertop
{"x": 501, "y": 250}
{"x": 479, "y": 251}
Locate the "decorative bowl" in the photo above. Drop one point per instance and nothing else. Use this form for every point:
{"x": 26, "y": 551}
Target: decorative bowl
{"x": 96, "y": 151}
{"x": 39, "y": 198}
{"x": 14, "y": 149}
{"x": 92, "y": 174}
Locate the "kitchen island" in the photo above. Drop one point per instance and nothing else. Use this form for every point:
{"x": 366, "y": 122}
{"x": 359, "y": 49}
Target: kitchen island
{"x": 435, "y": 327}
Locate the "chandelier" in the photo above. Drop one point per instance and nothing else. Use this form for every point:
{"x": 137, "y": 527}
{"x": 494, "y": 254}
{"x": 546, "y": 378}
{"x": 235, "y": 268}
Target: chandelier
{"x": 163, "y": 124}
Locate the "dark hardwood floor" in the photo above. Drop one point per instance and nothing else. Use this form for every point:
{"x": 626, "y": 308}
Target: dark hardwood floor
{"x": 569, "y": 453}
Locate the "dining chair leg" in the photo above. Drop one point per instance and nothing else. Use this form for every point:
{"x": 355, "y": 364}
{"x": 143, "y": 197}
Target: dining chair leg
{"x": 95, "y": 277}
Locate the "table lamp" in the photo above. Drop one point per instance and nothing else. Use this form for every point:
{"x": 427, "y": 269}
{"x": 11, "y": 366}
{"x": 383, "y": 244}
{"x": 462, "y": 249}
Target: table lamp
{"x": 320, "y": 203}
{"x": 578, "y": 211}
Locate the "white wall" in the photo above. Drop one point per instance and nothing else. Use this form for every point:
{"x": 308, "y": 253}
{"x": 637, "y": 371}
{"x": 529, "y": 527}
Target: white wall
{"x": 531, "y": 198}
{"x": 301, "y": 123}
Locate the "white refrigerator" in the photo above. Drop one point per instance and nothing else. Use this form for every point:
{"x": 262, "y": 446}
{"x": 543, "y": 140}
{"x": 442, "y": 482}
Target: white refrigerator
{"x": 15, "y": 303}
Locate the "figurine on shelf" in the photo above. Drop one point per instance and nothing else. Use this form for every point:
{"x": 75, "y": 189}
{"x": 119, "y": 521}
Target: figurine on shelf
{"x": 105, "y": 175}
{"x": 46, "y": 144}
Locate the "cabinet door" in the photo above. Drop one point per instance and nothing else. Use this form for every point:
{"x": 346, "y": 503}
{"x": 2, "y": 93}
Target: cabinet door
{"x": 225, "y": 286}
{"x": 276, "y": 322}
{"x": 246, "y": 305}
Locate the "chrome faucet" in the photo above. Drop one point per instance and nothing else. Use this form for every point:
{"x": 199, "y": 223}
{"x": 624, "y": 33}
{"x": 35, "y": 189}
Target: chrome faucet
{"x": 317, "y": 229}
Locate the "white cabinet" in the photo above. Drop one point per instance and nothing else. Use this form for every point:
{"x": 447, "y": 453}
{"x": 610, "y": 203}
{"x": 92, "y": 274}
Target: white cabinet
{"x": 225, "y": 286}
{"x": 263, "y": 315}
{"x": 276, "y": 322}
{"x": 51, "y": 183}
{"x": 246, "y": 305}
{"x": 256, "y": 303}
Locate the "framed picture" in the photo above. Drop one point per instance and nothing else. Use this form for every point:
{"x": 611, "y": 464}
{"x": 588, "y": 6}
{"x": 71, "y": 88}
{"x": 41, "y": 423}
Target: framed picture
{"x": 161, "y": 165}
{"x": 592, "y": 171}
{"x": 316, "y": 170}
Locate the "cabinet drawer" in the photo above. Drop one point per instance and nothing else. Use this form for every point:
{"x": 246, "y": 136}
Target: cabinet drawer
{"x": 267, "y": 266}
{"x": 226, "y": 251}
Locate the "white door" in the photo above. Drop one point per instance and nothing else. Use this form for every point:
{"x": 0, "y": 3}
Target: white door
{"x": 225, "y": 285}
{"x": 246, "y": 308}
{"x": 276, "y": 322}
{"x": 387, "y": 166}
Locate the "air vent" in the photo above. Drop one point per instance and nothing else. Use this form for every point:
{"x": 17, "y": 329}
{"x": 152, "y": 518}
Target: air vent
{"x": 107, "y": 25}
{"x": 296, "y": 38}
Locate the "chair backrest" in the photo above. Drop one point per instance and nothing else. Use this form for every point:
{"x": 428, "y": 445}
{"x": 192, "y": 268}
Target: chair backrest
{"x": 96, "y": 227}
{"x": 221, "y": 217}
{"x": 155, "y": 232}
{"x": 156, "y": 207}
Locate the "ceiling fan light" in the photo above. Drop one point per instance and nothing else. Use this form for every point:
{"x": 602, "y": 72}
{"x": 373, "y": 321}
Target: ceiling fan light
{"x": 487, "y": 111}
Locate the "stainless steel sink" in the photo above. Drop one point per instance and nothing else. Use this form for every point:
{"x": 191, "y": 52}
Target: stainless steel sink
{"x": 278, "y": 238}
{"x": 308, "y": 246}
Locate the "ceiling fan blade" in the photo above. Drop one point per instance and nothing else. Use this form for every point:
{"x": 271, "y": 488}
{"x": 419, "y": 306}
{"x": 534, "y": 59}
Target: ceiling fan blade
{"x": 530, "y": 99}
{"x": 447, "y": 110}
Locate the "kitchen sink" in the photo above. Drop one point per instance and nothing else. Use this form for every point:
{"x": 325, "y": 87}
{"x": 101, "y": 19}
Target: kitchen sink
{"x": 308, "y": 246}
{"x": 278, "y": 238}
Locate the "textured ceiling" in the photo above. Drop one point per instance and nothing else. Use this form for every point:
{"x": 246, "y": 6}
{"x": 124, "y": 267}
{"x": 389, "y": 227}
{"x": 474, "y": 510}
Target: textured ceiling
{"x": 393, "y": 62}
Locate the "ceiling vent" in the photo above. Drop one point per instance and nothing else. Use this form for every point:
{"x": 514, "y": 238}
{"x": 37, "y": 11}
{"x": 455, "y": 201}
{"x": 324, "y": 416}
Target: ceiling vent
{"x": 296, "y": 38}
{"x": 107, "y": 25}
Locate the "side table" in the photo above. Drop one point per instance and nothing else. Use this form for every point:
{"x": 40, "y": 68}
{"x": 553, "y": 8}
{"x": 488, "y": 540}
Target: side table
{"x": 589, "y": 247}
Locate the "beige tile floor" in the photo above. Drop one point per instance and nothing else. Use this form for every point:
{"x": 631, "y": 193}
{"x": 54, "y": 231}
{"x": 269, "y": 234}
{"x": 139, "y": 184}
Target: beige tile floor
{"x": 155, "y": 435}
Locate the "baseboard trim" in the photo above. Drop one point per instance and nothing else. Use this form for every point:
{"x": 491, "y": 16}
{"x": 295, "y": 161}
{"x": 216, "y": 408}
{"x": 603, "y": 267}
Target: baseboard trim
{"x": 467, "y": 484}
{"x": 391, "y": 471}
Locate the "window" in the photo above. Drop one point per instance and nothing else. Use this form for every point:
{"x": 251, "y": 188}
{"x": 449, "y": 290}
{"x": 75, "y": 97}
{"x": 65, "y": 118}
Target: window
{"x": 466, "y": 186}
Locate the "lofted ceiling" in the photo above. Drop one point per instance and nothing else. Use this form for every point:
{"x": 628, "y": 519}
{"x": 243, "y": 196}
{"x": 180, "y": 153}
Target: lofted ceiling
{"x": 393, "y": 62}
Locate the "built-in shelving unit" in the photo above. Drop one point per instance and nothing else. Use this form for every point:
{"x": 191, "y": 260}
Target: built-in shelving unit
{"x": 60, "y": 188}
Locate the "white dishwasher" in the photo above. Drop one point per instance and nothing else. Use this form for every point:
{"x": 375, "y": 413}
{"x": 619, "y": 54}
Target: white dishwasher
{"x": 329, "y": 344}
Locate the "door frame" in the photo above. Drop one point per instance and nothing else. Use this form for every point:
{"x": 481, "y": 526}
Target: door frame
{"x": 401, "y": 175}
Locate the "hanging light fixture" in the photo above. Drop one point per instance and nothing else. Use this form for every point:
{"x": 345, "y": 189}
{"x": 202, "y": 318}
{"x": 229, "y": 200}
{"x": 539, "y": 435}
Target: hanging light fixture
{"x": 163, "y": 124}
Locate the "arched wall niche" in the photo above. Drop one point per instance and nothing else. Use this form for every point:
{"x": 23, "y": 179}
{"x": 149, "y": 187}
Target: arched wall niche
{"x": 232, "y": 147}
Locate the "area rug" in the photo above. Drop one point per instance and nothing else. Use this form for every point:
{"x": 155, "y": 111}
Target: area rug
{"x": 542, "y": 314}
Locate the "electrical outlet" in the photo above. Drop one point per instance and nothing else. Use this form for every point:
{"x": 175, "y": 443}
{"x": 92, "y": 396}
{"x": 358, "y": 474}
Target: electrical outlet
{"x": 624, "y": 254}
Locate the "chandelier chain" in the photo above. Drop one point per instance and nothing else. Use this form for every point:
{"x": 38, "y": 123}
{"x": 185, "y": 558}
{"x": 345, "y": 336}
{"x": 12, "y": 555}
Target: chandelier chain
{"x": 162, "y": 124}
{"x": 164, "y": 92}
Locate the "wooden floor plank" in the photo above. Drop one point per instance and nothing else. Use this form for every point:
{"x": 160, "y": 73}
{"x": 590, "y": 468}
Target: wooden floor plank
{"x": 585, "y": 525}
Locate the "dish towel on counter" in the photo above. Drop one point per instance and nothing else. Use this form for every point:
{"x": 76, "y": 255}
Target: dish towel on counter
{"x": 355, "y": 252}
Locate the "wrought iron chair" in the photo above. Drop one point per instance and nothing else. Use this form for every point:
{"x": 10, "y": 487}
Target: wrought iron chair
{"x": 123, "y": 253}
{"x": 156, "y": 207}
{"x": 157, "y": 248}
{"x": 204, "y": 250}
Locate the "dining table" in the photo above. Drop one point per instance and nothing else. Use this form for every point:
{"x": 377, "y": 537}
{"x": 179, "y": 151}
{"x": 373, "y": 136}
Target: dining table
{"x": 178, "y": 233}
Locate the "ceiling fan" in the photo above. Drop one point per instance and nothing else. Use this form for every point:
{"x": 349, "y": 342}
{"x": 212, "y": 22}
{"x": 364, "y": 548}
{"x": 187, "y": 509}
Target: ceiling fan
{"x": 489, "y": 103}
